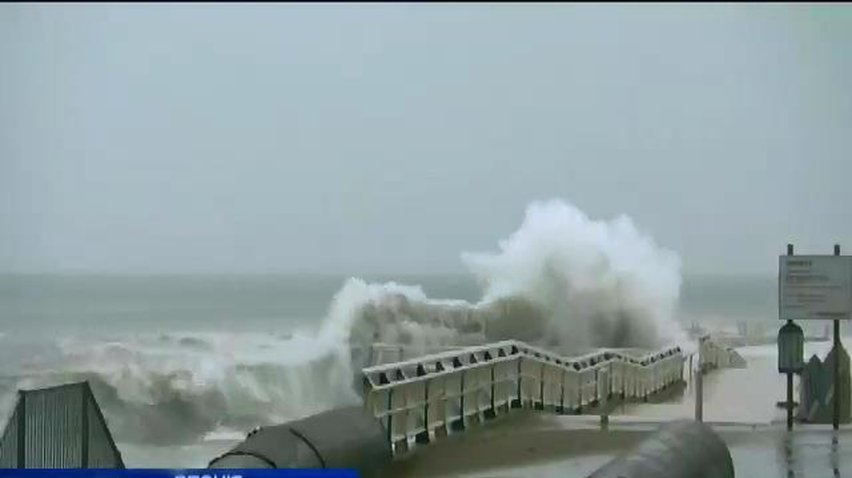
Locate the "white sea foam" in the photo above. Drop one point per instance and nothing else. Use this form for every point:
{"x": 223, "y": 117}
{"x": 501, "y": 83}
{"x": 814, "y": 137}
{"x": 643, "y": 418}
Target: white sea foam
{"x": 561, "y": 280}
{"x": 597, "y": 283}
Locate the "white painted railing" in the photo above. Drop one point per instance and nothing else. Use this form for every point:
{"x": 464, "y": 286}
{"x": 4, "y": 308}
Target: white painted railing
{"x": 430, "y": 396}
{"x": 713, "y": 355}
{"x": 382, "y": 353}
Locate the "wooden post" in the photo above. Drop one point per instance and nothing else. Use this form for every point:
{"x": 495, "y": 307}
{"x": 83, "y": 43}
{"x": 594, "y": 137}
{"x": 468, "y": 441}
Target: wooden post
{"x": 835, "y": 422}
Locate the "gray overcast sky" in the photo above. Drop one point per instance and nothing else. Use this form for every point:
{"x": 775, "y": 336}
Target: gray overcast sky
{"x": 390, "y": 137}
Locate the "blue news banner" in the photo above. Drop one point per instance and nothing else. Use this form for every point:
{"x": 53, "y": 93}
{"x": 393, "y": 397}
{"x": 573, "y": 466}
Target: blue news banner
{"x": 179, "y": 473}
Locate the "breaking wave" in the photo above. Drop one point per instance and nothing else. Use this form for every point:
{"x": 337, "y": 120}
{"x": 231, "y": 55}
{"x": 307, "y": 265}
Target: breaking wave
{"x": 176, "y": 388}
{"x": 561, "y": 280}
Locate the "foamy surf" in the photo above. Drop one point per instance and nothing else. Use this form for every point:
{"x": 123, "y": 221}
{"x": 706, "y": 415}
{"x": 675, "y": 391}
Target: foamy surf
{"x": 562, "y": 280}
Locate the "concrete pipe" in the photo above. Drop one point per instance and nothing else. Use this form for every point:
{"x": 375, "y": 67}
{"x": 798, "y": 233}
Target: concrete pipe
{"x": 343, "y": 438}
{"x": 680, "y": 449}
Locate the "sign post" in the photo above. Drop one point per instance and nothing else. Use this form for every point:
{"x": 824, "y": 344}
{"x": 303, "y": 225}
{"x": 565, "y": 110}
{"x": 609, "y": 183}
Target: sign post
{"x": 835, "y": 421}
{"x": 815, "y": 287}
{"x": 699, "y": 381}
{"x": 790, "y": 360}
{"x": 790, "y": 356}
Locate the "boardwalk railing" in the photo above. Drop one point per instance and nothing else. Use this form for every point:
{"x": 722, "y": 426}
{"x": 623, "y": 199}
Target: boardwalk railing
{"x": 421, "y": 399}
{"x": 713, "y": 355}
{"x": 379, "y": 353}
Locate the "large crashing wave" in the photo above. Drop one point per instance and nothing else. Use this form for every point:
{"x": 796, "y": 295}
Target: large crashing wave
{"x": 596, "y": 283}
{"x": 561, "y": 280}
{"x": 176, "y": 388}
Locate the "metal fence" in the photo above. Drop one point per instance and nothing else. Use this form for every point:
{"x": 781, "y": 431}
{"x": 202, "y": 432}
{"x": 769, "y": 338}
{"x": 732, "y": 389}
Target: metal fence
{"x": 58, "y": 427}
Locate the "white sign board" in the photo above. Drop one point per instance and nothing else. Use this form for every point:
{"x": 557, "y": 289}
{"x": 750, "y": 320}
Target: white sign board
{"x": 814, "y": 287}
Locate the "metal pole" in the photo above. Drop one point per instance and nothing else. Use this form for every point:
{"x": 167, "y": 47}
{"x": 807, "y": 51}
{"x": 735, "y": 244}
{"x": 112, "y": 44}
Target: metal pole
{"x": 789, "y": 403}
{"x": 836, "y": 419}
{"x": 699, "y": 385}
{"x": 603, "y": 402}
{"x": 22, "y": 430}
{"x": 84, "y": 432}
{"x": 690, "y": 367}
{"x": 390, "y": 417}
{"x": 699, "y": 395}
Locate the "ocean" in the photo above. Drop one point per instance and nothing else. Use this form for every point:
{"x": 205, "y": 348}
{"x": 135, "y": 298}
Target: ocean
{"x": 184, "y": 365}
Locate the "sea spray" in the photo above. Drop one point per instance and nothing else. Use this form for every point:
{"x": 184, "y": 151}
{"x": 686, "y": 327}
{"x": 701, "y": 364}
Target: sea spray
{"x": 175, "y": 388}
{"x": 561, "y": 280}
{"x": 596, "y": 283}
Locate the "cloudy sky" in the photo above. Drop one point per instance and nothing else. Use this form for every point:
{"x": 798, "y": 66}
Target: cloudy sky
{"x": 391, "y": 137}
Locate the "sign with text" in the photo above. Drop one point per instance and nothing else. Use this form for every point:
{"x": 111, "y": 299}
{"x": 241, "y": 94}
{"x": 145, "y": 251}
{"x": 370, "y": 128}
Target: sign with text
{"x": 814, "y": 287}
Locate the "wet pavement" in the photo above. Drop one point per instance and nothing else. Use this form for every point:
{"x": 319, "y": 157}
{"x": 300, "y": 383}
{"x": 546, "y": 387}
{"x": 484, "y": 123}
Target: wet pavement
{"x": 739, "y": 404}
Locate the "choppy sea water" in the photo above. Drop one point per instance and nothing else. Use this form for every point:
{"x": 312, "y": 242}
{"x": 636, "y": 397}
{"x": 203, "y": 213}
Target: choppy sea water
{"x": 184, "y": 365}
